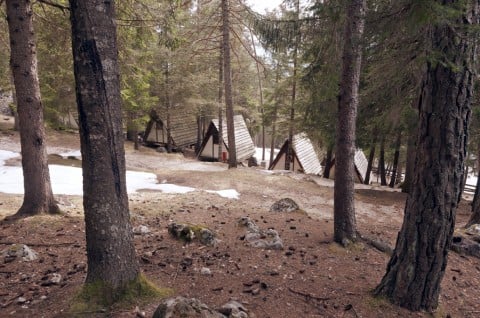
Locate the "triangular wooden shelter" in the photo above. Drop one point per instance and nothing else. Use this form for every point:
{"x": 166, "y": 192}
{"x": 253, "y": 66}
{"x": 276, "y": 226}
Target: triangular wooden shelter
{"x": 243, "y": 141}
{"x": 361, "y": 164}
{"x": 183, "y": 129}
{"x": 305, "y": 158}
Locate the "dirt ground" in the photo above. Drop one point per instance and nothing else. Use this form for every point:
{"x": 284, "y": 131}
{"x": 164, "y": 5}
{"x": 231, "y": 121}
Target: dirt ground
{"x": 311, "y": 277}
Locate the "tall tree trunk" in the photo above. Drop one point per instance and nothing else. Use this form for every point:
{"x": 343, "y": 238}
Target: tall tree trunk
{"x": 381, "y": 163}
{"x": 289, "y": 155}
{"x": 396, "y": 157}
{"x": 260, "y": 93}
{"x": 110, "y": 248}
{"x": 344, "y": 208}
{"x": 14, "y": 107}
{"x": 227, "y": 78}
{"x": 38, "y": 196}
{"x": 328, "y": 162}
{"x": 410, "y": 164}
{"x": 274, "y": 119}
{"x": 417, "y": 266}
{"x": 220, "y": 106}
{"x": 371, "y": 157}
{"x": 168, "y": 107}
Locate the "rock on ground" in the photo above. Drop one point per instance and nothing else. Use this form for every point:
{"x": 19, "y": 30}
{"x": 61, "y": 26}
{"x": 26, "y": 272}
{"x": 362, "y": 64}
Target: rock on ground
{"x": 194, "y": 308}
{"x": 284, "y": 205}
{"x": 188, "y": 233}
{"x": 258, "y": 238}
{"x": 19, "y": 251}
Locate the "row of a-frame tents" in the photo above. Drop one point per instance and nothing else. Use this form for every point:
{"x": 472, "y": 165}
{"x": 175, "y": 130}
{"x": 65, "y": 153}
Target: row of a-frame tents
{"x": 185, "y": 133}
{"x": 305, "y": 159}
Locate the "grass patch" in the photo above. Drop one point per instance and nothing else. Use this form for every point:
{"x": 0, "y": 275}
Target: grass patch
{"x": 100, "y": 297}
{"x": 377, "y": 302}
{"x": 338, "y": 249}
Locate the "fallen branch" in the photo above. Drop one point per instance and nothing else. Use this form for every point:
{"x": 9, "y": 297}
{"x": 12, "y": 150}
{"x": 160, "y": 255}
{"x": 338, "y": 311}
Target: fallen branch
{"x": 379, "y": 245}
{"x": 39, "y": 244}
{"x": 308, "y": 296}
{"x": 465, "y": 246}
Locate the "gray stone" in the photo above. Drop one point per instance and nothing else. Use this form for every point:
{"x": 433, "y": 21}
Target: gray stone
{"x": 21, "y": 300}
{"x": 259, "y": 238}
{"x": 207, "y": 237}
{"x": 185, "y": 308}
{"x": 141, "y": 230}
{"x": 206, "y": 271}
{"x": 233, "y": 309}
{"x": 284, "y": 205}
{"x": 161, "y": 149}
{"x": 17, "y": 251}
{"x": 181, "y": 231}
{"x": 248, "y": 223}
{"x": 474, "y": 229}
{"x": 56, "y": 279}
{"x": 252, "y": 162}
{"x": 188, "y": 233}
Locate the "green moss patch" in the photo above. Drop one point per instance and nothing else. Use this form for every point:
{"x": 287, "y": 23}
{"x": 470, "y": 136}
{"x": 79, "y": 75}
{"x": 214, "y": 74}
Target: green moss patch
{"x": 99, "y": 297}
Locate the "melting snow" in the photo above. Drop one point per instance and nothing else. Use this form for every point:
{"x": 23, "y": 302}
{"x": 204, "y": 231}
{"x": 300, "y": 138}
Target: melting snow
{"x": 229, "y": 193}
{"x": 68, "y": 180}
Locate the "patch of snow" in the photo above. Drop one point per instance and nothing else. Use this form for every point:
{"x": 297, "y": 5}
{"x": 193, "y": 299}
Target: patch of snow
{"x": 472, "y": 179}
{"x": 258, "y": 155}
{"x": 172, "y": 188}
{"x": 69, "y": 180}
{"x": 72, "y": 153}
{"x": 229, "y": 193}
{"x": 5, "y": 155}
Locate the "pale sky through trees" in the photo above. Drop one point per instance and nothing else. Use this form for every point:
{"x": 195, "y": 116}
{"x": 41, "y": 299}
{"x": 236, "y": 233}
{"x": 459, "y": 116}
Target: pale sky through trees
{"x": 261, "y": 5}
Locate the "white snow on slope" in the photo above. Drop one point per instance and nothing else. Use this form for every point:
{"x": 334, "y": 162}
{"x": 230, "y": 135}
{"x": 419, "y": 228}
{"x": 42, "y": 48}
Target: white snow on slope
{"x": 68, "y": 180}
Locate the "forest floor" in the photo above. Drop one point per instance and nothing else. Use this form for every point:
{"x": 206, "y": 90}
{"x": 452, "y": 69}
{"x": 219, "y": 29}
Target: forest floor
{"x": 311, "y": 277}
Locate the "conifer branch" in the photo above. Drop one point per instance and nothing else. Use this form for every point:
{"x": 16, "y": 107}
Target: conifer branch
{"x": 55, "y": 5}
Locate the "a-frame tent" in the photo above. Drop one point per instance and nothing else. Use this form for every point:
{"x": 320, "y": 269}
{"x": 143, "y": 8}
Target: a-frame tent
{"x": 361, "y": 164}
{"x": 243, "y": 141}
{"x": 304, "y": 158}
{"x": 183, "y": 129}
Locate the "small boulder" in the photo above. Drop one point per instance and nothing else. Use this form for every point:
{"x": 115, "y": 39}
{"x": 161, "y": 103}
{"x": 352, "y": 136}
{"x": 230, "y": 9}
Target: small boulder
{"x": 186, "y": 308}
{"x": 17, "y": 251}
{"x": 252, "y": 162}
{"x": 141, "y": 230}
{"x": 233, "y": 309}
{"x": 249, "y": 224}
{"x": 259, "y": 238}
{"x": 181, "y": 231}
{"x": 284, "y": 205}
{"x": 207, "y": 237}
{"x": 205, "y": 271}
{"x": 188, "y": 233}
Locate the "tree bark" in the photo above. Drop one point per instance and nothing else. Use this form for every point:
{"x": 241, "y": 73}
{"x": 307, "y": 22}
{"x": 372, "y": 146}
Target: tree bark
{"x": 344, "y": 208}
{"x": 328, "y": 162}
{"x": 38, "y": 196}
{"x": 396, "y": 157}
{"x": 220, "y": 106}
{"x": 110, "y": 249}
{"x": 274, "y": 119}
{"x": 168, "y": 122}
{"x": 289, "y": 154}
{"x": 371, "y": 157}
{"x": 417, "y": 266}
{"x": 381, "y": 163}
{"x": 227, "y": 79}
